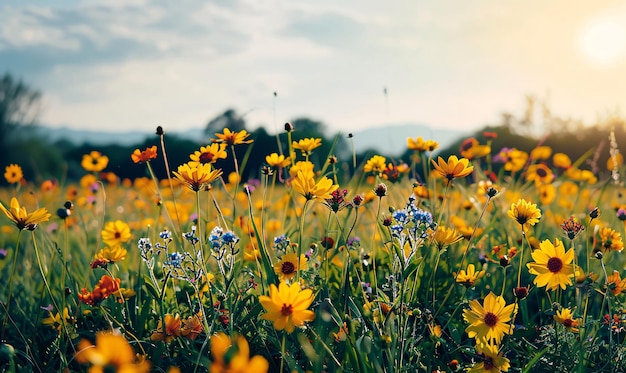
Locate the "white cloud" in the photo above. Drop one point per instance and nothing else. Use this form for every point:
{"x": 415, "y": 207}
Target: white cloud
{"x": 115, "y": 64}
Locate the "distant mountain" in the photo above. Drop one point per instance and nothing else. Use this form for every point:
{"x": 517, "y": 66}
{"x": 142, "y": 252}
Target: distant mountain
{"x": 392, "y": 140}
{"x": 387, "y": 140}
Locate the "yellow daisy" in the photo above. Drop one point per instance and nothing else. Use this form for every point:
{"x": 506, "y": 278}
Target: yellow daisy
{"x": 489, "y": 323}
{"x": 287, "y": 306}
{"x": 13, "y": 173}
{"x": 491, "y": 361}
{"x": 453, "y": 168}
{"x": 553, "y": 266}
{"x": 21, "y": 218}
{"x": 525, "y": 213}
{"x": 469, "y": 278}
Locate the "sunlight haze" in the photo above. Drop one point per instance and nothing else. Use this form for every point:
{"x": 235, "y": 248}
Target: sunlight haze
{"x": 120, "y": 65}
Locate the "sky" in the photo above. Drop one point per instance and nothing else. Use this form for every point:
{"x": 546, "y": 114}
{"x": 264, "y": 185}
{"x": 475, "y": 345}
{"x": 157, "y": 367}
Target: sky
{"x": 134, "y": 64}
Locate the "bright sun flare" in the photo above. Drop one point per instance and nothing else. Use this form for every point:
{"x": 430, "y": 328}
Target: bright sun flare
{"x": 602, "y": 42}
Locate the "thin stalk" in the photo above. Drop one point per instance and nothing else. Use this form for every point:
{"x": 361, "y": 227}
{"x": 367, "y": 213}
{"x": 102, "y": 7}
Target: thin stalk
{"x": 14, "y": 266}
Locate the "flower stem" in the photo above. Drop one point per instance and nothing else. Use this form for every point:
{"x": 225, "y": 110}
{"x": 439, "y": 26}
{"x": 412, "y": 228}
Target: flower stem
{"x": 8, "y": 304}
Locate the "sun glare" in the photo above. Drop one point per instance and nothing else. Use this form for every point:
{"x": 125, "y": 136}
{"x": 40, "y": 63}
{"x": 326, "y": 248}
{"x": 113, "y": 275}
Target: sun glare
{"x": 602, "y": 42}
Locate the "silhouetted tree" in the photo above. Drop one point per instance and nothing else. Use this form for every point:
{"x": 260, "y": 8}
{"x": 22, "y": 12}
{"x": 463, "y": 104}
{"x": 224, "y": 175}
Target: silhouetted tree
{"x": 19, "y": 105}
{"x": 228, "y": 119}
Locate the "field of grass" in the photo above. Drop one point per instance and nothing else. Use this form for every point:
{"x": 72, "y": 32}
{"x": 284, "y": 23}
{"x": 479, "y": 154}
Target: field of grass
{"x": 485, "y": 261}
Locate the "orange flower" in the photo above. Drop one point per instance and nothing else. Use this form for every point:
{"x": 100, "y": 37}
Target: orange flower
{"x": 144, "y": 156}
{"x": 172, "y": 329}
{"x": 615, "y": 283}
{"x": 105, "y": 287}
{"x": 192, "y": 326}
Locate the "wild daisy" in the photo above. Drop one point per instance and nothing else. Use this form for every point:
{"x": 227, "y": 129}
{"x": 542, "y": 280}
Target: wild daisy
{"x": 552, "y": 266}
{"x": 452, "y": 169}
{"x": 21, "y": 218}
{"x": 525, "y": 213}
{"x": 233, "y": 355}
{"x": 491, "y": 321}
{"x": 287, "y": 306}
{"x": 13, "y": 174}
{"x": 468, "y": 278}
{"x": 565, "y": 317}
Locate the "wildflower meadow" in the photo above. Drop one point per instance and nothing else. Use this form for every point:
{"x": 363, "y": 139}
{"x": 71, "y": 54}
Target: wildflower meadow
{"x": 488, "y": 260}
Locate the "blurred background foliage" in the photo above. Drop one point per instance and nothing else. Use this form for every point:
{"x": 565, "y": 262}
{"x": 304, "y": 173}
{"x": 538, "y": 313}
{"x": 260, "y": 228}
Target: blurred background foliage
{"x": 42, "y": 159}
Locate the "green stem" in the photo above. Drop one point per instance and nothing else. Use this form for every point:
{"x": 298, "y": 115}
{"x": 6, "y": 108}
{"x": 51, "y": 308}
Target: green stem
{"x": 8, "y": 304}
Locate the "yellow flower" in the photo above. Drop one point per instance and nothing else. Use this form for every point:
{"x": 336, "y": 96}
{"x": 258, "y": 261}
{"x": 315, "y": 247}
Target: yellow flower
{"x": 613, "y": 163}
{"x": 489, "y": 323}
{"x": 233, "y": 356}
{"x": 288, "y": 266}
{"x": 471, "y": 149}
{"x": 547, "y": 194}
{"x": 94, "y": 161}
{"x": 278, "y": 161}
{"x": 304, "y": 183}
{"x": 419, "y": 145}
{"x": 195, "y": 177}
{"x": 515, "y": 159}
{"x": 172, "y": 329}
{"x": 490, "y": 360}
{"x": 55, "y": 322}
{"x": 453, "y": 168}
{"x": 525, "y": 213}
{"x": 13, "y": 173}
{"x": 561, "y": 160}
{"x": 539, "y": 173}
{"x": 233, "y": 138}
{"x": 112, "y": 254}
{"x": 143, "y": 156}
{"x": 208, "y": 154}
{"x": 468, "y": 279}
{"x": 21, "y": 218}
{"x": 615, "y": 284}
{"x": 565, "y": 317}
{"x": 541, "y": 153}
{"x": 553, "y": 266}
{"x": 375, "y": 164}
{"x": 287, "y": 306}
{"x": 444, "y": 237}
{"x": 610, "y": 239}
{"x": 115, "y": 233}
{"x": 307, "y": 145}
{"x": 111, "y": 352}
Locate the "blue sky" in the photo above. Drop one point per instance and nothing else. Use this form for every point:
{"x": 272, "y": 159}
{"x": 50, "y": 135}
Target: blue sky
{"x": 120, "y": 64}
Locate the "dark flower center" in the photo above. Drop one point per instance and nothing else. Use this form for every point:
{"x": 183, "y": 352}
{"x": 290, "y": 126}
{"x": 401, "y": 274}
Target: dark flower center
{"x": 522, "y": 219}
{"x": 490, "y": 319}
{"x": 117, "y": 235}
{"x": 568, "y": 322}
{"x": 488, "y": 363}
{"x": 555, "y": 265}
{"x": 206, "y": 158}
{"x": 541, "y": 172}
{"x": 286, "y": 310}
{"x": 287, "y": 268}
